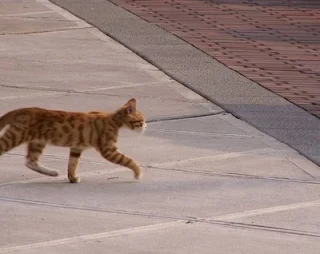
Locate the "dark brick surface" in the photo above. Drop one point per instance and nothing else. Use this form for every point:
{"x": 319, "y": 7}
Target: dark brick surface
{"x": 274, "y": 43}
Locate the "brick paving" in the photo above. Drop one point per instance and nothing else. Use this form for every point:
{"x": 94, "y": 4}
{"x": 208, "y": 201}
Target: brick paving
{"x": 275, "y": 43}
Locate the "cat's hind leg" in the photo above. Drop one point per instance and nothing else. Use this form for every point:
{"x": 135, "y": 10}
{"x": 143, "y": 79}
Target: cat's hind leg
{"x": 34, "y": 151}
{"x": 74, "y": 158}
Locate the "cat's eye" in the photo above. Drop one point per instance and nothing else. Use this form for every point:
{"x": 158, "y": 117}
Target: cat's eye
{"x": 138, "y": 121}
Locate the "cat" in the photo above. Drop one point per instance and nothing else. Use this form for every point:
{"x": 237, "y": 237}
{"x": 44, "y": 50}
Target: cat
{"x": 38, "y": 127}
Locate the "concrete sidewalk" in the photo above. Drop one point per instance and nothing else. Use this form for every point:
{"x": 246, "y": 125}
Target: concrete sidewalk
{"x": 212, "y": 183}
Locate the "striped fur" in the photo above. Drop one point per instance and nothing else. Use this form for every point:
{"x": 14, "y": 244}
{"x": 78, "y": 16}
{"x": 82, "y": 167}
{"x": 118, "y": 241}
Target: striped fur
{"x": 38, "y": 127}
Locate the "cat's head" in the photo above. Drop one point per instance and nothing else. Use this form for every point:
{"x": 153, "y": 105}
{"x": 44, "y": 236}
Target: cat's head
{"x": 133, "y": 118}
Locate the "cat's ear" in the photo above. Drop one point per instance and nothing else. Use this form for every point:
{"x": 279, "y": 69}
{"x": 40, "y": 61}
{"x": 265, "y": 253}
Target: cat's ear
{"x": 131, "y": 106}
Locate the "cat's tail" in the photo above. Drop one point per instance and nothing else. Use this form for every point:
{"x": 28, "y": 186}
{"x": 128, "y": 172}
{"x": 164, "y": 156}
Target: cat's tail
{"x": 5, "y": 121}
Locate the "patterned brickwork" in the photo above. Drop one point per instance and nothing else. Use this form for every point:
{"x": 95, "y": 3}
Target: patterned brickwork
{"x": 275, "y": 43}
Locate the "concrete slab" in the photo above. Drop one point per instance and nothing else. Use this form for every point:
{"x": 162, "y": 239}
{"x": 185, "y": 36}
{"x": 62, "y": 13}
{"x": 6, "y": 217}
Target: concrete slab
{"x": 182, "y": 238}
{"x": 165, "y": 193}
{"x": 18, "y": 219}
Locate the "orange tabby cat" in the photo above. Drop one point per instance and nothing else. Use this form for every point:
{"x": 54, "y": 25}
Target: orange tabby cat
{"x": 38, "y": 127}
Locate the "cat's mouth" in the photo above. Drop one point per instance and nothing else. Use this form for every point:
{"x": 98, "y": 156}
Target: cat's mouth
{"x": 138, "y": 126}
{"x": 142, "y": 128}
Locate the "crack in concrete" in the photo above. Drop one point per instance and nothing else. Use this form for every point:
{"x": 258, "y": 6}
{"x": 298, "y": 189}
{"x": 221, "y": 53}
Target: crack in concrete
{"x": 303, "y": 170}
{"x": 239, "y": 225}
{"x": 25, "y": 14}
{"x": 164, "y": 119}
{"x": 82, "y": 208}
{"x": 95, "y": 92}
{"x": 46, "y": 31}
{"x": 217, "y": 157}
{"x": 202, "y": 133}
{"x": 44, "y": 179}
{"x": 264, "y": 211}
{"x": 30, "y": 96}
{"x": 55, "y": 157}
{"x": 40, "y": 88}
{"x": 237, "y": 175}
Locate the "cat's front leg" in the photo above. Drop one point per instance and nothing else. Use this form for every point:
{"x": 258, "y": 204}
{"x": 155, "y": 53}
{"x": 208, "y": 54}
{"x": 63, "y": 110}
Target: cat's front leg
{"x": 74, "y": 157}
{"x": 113, "y": 155}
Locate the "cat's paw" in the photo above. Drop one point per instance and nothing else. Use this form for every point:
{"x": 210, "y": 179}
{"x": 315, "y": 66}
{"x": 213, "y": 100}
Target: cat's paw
{"x": 138, "y": 175}
{"x": 74, "y": 179}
